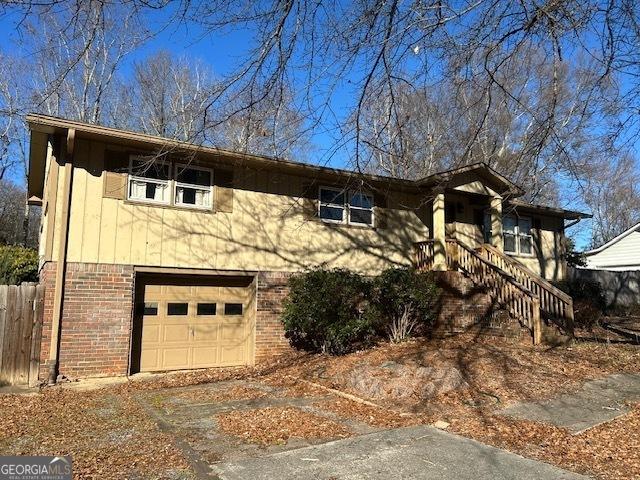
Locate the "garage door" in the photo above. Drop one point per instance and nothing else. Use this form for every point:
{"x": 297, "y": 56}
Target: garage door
{"x": 196, "y": 326}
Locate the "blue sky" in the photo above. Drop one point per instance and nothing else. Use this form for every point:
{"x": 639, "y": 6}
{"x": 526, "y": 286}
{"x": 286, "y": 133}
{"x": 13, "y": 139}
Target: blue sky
{"x": 222, "y": 53}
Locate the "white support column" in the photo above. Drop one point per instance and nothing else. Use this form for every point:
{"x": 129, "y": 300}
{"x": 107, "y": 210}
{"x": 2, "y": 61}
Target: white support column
{"x": 439, "y": 241}
{"x": 496, "y": 223}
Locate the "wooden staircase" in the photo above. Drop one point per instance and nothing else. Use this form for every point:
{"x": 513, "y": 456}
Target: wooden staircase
{"x": 525, "y": 295}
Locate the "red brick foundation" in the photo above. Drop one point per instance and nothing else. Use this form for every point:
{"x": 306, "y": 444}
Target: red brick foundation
{"x": 96, "y": 320}
{"x": 272, "y": 290}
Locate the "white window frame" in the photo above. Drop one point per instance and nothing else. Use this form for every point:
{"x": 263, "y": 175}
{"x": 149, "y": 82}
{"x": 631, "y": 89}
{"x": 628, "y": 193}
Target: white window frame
{"x": 350, "y": 207}
{"x": 346, "y": 207}
{"x": 517, "y": 235}
{"x": 343, "y": 205}
{"x": 177, "y": 184}
{"x": 140, "y": 178}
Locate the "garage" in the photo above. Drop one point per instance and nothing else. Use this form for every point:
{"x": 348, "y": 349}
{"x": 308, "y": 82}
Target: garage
{"x": 187, "y": 323}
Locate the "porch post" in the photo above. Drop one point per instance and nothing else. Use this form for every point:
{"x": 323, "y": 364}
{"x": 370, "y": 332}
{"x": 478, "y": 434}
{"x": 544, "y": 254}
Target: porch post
{"x": 439, "y": 242}
{"x": 496, "y": 222}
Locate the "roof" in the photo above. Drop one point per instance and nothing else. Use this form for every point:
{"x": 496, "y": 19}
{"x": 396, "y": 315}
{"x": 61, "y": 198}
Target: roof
{"x": 43, "y": 125}
{"x": 624, "y": 234}
{"x": 559, "y": 212}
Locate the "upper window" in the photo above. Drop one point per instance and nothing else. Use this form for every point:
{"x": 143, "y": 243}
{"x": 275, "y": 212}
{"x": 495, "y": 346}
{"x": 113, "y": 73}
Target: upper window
{"x": 193, "y": 186}
{"x": 149, "y": 180}
{"x": 152, "y": 181}
{"x": 339, "y": 206}
{"x": 517, "y": 235}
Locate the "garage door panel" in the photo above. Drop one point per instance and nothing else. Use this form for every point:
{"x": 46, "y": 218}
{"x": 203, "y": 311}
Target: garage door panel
{"x": 177, "y": 357}
{"x": 176, "y": 334}
{"x": 233, "y": 355}
{"x": 180, "y": 338}
{"x": 203, "y": 356}
{"x": 206, "y": 333}
{"x": 149, "y": 359}
{"x": 232, "y": 331}
{"x": 150, "y": 333}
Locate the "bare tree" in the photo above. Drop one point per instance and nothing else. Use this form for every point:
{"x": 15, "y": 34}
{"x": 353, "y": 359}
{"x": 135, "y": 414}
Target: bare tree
{"x": 614, "y": 197}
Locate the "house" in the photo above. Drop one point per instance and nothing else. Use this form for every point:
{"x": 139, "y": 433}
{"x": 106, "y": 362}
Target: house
{"x": 159, "y": 255}
{"x": 619, "y": 253}
{"x": 616, "y": 267}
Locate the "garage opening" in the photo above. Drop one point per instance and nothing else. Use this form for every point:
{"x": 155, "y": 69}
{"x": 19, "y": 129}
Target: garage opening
{"x": 187, "y": 322}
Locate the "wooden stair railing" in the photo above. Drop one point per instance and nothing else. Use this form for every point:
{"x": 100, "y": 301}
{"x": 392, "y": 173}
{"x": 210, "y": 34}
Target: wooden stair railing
{"x": 520, "y": 302}
{"x": 555, "y": 304}
{"x": 424, "y": 255}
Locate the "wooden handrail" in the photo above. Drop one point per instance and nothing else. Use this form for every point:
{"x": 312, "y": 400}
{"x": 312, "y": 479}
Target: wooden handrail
{"x": 520, "y": 302}
{"x": 423, "y": 255}
{"x": 554, "y": 303}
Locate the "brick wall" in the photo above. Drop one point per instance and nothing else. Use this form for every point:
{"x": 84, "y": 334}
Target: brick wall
{"x": 272, "y": 290}
{"x": 463, "y": 306}
{"x": 96, "y": 323}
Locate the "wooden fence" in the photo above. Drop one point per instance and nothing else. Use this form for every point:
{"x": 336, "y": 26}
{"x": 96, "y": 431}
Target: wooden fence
{"x": 21, "y": 311}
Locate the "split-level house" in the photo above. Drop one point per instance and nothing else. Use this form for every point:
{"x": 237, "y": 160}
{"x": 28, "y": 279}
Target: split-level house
{"x": 159, "y": 255}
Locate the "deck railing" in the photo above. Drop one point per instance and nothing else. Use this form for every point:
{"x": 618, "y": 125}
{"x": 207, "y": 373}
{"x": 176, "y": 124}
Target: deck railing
{"x": 555, "y": 304}
{"x": 424, "y": 255}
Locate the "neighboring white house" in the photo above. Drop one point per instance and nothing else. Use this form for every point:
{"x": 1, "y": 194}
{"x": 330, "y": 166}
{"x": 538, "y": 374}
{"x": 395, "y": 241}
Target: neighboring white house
{"x": 621, "y": 253}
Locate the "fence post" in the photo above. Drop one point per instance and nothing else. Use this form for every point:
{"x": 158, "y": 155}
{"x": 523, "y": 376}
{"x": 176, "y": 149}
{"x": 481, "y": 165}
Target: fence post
{"x": 537, "y": 321}
{"x": 36, "y": 335}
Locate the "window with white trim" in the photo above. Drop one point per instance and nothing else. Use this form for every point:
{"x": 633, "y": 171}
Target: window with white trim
{"x": 340, "y": 206}
{"x": 193, "y": 186}
{"x": 149, "y": 180}
{"x": 162, "y": 182}
{"x": 517, "y": 235}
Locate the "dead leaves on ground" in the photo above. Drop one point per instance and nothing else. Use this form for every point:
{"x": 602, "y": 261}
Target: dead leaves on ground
{"x": 276, "y": 425}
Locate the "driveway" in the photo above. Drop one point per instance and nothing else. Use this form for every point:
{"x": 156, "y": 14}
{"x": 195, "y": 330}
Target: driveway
{"x": 248, "y": 430}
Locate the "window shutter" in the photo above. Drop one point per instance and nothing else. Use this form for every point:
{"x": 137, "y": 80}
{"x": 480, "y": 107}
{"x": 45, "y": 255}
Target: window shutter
{"x": 223, "y": 181}
{"x": 381, "y": 212}
{"x": 114, "y": 179}
{"x": 309, "y": 200}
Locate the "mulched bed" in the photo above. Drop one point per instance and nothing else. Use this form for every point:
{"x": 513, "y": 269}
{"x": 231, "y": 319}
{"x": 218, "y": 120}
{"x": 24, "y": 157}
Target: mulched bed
{"x": 276, "y": 425}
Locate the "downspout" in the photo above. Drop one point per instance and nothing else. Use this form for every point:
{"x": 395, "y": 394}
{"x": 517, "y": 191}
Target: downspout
{"x": 58, "y": 295}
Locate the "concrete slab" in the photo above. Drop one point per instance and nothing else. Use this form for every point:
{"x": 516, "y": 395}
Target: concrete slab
{"x": 406, "y": 453}
{"x": 597, "y": 402}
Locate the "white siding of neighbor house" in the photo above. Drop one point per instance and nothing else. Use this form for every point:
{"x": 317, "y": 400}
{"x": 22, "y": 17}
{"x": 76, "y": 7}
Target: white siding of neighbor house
{"x": 621, "y": 255}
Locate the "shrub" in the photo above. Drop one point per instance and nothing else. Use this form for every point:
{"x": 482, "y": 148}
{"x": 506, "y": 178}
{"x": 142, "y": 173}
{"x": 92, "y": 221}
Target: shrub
{"x": 589, "y": 302}
{"x": 404, "y": 300}
{"x": 324, "y": 311}
{"x": 18, "y": 264}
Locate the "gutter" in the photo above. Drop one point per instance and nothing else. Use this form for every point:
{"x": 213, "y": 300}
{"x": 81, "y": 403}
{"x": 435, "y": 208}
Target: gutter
{"x": 58, "y": 295}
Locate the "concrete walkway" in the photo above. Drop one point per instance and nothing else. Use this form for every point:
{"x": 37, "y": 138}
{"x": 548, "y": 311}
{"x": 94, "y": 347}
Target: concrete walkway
{"x": 597, "y": 402}
{"x": 406, "y": 453}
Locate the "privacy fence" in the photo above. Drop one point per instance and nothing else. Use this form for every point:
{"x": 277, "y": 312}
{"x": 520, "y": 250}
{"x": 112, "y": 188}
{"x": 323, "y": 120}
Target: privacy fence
{"x": 21, "y": 311}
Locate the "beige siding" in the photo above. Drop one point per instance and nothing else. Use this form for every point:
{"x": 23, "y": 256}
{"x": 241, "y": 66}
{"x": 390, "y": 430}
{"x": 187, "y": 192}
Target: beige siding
{"x": 266, "y": 230}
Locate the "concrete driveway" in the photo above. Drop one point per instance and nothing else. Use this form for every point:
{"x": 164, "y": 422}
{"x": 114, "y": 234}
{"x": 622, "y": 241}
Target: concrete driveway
{"x": 409, "y": 453}
{"x": 191, "y": 416}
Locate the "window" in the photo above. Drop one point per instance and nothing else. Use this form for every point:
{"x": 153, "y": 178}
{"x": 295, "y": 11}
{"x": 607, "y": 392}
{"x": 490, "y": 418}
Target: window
{"x": 332, "y": 206}
{"x": 517, "y": 235}
{"x": 148, "y": 308}
{"x": 149, "y": 180}
{"x": 193, "y": 186}
{"x": 177, "y": 308}
{"x": 233, "y": 309}
{"x": 338, "y": 206}
{"x": 360, "y": 208}
{"x": 206, "y": 309}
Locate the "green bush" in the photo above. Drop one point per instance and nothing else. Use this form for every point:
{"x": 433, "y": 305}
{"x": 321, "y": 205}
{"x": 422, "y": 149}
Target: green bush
{"x": 325, "y": 311}
{"x": 18, "y": 264}
{"x": 589, "y": 303}
{"x": 404, "y": 301}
